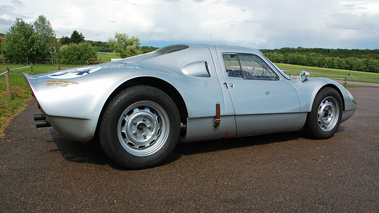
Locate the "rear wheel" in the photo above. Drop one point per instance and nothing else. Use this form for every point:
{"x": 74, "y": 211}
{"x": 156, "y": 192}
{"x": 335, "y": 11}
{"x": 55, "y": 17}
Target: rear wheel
{"x": 325, "y": 117}
{"x": 140, "y": 127}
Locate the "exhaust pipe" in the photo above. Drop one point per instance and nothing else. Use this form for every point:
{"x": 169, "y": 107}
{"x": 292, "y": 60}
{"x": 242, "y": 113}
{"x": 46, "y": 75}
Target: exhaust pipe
{"x": 41, "y": 121}
{"x": 40, "y": 124}
{"x": 39, "y": 117}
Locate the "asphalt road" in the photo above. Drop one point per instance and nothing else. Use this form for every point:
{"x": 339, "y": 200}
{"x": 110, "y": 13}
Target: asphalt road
{"x": 43, "y": 172}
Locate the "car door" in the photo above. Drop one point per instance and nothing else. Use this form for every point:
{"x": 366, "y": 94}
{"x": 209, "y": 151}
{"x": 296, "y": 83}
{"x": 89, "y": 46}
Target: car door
{"x": 263, "y": 101}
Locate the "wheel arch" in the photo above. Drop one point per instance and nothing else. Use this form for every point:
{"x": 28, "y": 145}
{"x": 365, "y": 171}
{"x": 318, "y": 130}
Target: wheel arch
{"x": 337, "y": 89}
{"x": 315, "y": 125}
{"x": 154, "y": 82}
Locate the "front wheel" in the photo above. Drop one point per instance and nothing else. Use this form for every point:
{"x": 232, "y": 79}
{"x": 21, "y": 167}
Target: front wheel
{"x": 140, "y": 127}
{"x": 325, "y": 117}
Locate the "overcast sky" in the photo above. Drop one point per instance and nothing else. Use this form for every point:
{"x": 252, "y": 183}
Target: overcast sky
{"x": 263, "y": 24}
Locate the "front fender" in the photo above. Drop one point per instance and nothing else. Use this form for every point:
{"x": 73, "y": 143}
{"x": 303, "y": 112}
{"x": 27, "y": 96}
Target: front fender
{"x": 308, "y": 90}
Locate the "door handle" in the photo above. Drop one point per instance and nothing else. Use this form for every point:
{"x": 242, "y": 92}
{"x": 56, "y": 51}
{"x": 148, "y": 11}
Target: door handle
{"x": 226, "y": 85}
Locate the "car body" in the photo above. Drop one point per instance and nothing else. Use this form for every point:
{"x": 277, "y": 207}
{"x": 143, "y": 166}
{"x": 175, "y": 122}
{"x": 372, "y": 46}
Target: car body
{"x": 143, "y": 105}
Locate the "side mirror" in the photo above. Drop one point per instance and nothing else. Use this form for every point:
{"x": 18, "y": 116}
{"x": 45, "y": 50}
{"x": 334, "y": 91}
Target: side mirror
{"x": 304, "y": 76}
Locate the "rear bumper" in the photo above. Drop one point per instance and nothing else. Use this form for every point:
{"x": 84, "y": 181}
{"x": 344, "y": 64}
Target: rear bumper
{"x": 77, "y": 129}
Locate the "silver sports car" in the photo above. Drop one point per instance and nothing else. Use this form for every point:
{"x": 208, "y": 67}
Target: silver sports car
{"x": 141, "y": 107}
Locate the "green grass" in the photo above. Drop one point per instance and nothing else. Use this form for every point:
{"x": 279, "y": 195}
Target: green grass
{"x": 336, "y": 74}
{"x": 349, "y": 86}
{"x": 106, "y": 57}
{"x": 22, "y": 93}
{"x": 20, "y": 90}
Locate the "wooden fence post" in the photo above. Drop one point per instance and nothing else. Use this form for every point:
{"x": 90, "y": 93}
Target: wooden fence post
{"x": 8, "y": 83}
{"x": 31, "y": 67}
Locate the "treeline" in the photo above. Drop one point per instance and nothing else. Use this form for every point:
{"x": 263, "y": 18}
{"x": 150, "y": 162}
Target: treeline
{"x": 354, "y": 59}
{"x": 101, "y": 46}
{"x": 37, "y": 43}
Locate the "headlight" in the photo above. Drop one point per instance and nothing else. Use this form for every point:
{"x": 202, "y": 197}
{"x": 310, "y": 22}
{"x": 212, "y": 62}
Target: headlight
{"x": 351, "y": 96}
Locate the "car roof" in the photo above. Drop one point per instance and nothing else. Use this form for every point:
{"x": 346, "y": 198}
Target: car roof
{"x": 220, "y": 47}
{"x": 179, "y": 47}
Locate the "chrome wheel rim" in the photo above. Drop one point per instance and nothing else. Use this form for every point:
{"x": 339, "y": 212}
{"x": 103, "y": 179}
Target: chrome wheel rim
{"x": 328, "y": 114}
{"x": 143, "y": 128}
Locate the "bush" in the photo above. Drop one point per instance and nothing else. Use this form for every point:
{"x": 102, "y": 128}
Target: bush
{"x": 77, "y": 53}
{"x": 124, "y": 45}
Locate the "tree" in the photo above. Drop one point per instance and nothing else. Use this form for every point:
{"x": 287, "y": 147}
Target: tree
{"x": 45, "y": 41}
{"x": 1, "y": 43}
{"x": 77, "y": 53}
{"x": 30, "y": 42}
{"x": 355, "y": 63}
{"x": 339, "y": 63}
{"x": 371, "y": 65}
{"x": 76, "y": 37}
{"x": 19, "y": 42}
{"x": 100, "y": 46}
{"x": 125, "y": 46}
{"x": 327, "y": 62}
{"x": 147, "y": 49}
{"x": 64, "y": 40}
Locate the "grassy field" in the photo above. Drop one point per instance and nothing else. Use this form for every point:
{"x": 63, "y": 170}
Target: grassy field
{"x": 22, "y": 93}
{"x": 334, "y": 73}
{"x": 106, "y": 57}
{"x": 20, "y": 90}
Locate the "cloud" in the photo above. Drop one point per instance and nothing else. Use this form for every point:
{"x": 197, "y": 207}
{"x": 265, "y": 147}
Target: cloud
{"x": 17, "y": 3}
{"x": 261, "y": 24}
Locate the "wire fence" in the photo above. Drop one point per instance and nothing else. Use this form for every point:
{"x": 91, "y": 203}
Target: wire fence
{"x": 7, "y": 80}
{"x": 18, "y": 68}
{"x": 337, "y": 77}
{"x": 3, "y": 73}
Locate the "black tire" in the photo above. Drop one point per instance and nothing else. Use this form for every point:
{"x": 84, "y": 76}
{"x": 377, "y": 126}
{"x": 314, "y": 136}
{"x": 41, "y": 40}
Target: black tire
{"x": 140, "y": 127}
{"x": 325, "y": 117}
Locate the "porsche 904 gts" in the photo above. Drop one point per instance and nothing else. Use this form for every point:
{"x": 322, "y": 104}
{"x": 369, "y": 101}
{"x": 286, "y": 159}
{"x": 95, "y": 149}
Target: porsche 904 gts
{"x": 141, "y": 107}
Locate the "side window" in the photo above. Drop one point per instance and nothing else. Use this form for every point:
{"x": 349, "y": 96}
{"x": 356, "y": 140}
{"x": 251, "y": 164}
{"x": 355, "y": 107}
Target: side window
{"x": 249, "y": 67}
{"x": 253, "y": 67}
{"x": 232, "y": 65}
